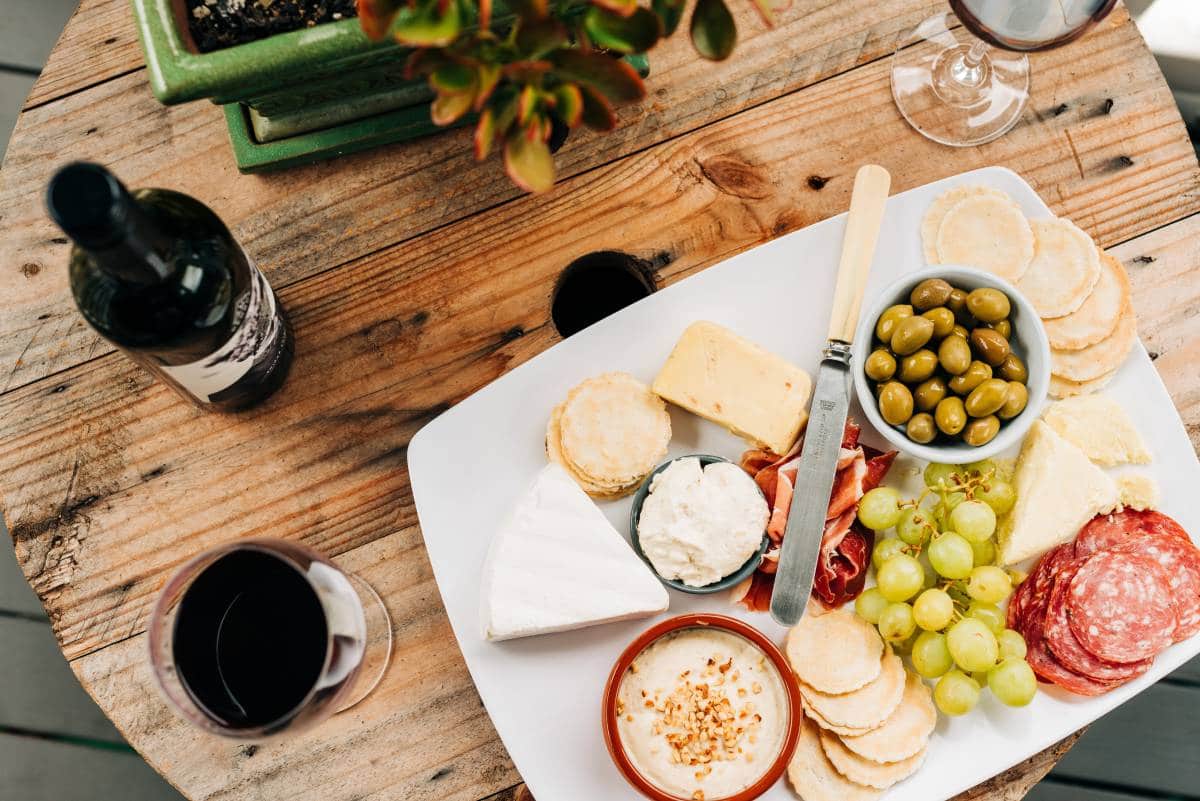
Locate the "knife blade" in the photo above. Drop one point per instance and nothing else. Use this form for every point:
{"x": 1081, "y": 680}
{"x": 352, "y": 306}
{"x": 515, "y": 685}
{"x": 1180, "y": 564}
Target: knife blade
{"x": 830, "y": 404}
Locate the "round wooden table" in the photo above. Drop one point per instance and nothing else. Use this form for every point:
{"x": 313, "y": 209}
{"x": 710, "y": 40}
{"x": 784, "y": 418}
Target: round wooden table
{"x": 414, "y": 277}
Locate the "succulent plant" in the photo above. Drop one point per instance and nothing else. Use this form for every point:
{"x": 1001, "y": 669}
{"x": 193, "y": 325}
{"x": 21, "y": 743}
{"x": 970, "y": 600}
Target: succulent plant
{"x": 532, "y": 70}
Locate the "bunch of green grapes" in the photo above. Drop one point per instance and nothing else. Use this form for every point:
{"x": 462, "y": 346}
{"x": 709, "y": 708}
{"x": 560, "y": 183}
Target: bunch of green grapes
{"x": 938, "y": 588}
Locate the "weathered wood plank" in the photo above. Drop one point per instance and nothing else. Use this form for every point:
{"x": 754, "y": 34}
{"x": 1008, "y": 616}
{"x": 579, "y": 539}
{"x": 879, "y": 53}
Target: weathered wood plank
{"x": 34, "y": 769}
{"x": 99, "y": 42}
{"x": 1056, "y": 790}
{"x": 1162, "y": 758}
{"x": 101, "y": 500}
{"x": 40, "y": 692}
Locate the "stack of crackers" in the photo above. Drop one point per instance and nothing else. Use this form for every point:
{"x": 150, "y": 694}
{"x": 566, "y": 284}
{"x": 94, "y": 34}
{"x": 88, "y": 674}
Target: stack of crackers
{"x": 867, "y": 720}
{"x": 1080, "y": 292}
{"x": 609, "y": 434}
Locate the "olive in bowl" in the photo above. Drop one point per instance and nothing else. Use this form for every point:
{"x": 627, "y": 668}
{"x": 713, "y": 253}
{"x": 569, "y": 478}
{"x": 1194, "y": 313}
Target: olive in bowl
{"x": 951, "y": 364}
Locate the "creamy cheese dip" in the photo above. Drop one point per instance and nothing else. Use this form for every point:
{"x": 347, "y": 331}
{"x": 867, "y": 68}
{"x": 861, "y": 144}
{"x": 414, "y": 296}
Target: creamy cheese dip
{"x": 702, "y": 713}
{"x": 698, "y": 526}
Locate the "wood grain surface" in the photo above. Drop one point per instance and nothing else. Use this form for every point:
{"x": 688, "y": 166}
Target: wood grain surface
{"x": 414, "y": 277}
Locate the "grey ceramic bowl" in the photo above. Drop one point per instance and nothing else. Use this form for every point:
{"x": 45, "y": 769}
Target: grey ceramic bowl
{"x": 1028, "y": 341}
{"x": 728, "y": 582}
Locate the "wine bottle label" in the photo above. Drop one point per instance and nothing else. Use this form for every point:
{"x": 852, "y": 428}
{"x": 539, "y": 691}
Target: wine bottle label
{"x": 255, "y": 344}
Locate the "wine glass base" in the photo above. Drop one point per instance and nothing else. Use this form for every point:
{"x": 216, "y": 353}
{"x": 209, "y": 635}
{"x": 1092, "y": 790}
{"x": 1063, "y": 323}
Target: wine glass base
{"x": 951, "y": 104}
{"x": 378, "y": 651}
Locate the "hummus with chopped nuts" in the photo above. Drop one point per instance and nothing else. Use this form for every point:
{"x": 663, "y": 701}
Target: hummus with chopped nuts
{"x": 702, "y": 713}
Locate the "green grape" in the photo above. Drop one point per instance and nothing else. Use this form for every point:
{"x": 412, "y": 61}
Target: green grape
{"x": 933, "y": 610}
{"x": 951, "y": 502}
{"x": 885, "y": 550}
{"x": 906, "y": 646}
{"x": 1012, "y": 644}
{"x": 974, "y": 520}
{"x": 870, "y": 605}
{"x": 972, "y": 645}
{"x": 984, "y": 467}
{"x": 931, "y": 577}
{"x": 930, "y": 656}
{"x": 1013, "y": 682}
{"x": 940, "y": 475}
{"x": 1000, "y": 495}
{"x": 989, "y": 583}
{"x": 879, "y": 509}
{"x": 896, "y": 623}
{"x": 985, "y": 552}
{"x": 900, "y": 578}
{"x": 980, "y": 677}
{"x": 956, "y": 693}
{"x": 951, "y": 555}
{"x": 914, "y": 527}
{"x": 1015, "y": 577}
{"x": 989, "y": 614}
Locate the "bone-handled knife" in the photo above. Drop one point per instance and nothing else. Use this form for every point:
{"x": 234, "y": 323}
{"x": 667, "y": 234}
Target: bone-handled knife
{"x": 830, "y": 402}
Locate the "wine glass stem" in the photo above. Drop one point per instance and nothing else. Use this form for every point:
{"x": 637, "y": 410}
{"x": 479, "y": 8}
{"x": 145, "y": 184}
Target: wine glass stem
{"x": 968, "y": 68}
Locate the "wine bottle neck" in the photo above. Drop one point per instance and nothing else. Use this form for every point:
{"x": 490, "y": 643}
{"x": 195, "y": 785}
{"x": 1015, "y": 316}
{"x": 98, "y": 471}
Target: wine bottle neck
{"x": 139, "y": 256}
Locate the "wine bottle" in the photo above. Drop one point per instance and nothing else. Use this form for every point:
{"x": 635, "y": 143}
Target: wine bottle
{"x": 158, "y": 274}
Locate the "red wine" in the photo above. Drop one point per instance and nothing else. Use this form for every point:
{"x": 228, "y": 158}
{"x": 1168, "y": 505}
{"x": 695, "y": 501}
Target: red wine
{"x": 1029, "y": 25}
{"x": 251, "y": 640}
{"x": 156, "y": 273}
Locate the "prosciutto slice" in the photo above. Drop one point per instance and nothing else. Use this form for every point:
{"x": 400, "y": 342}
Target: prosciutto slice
{"x": 845, "y": 545}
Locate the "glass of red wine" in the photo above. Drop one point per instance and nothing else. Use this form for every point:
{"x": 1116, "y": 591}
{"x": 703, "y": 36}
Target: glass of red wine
{"x": 260, "y": 636}
{"x": 968, "y": 85}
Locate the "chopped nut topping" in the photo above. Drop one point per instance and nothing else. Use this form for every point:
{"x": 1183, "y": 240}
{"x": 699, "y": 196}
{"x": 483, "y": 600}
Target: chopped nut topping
{"x": 756, "y": 688}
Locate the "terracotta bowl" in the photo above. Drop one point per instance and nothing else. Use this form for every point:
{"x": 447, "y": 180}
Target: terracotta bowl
{"x": 612, "y": 736}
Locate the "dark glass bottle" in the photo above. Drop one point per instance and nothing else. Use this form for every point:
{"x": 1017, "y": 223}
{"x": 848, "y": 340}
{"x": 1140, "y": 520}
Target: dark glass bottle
{"x": 157, "y": 274}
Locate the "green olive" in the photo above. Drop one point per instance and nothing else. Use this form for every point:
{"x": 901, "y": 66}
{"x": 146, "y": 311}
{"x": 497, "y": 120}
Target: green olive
{"x": 895, "y": 403}
{"x": 943, "y": 321}
{"x": 921, "y": 428}
{"x": 910, "y": 335}
{"x": 1003, "y": 328}
{"x": 880, "y": 365}
{"x": 989, "y": 346}
{"x": 957, "y": 300}
{"x": 950, "y": 415}
{"x": 1013, "y": 369}
{"x": 930, "y": 293}
{"x": 954, "y": 354}
{"x": 929, "y": 393}
{"x": 988, "y": 305}
{"x": 981, "y": 430}
{"x": 961, "y": 331}
{"x": 917, "y": 367}
{"x": 975, "y": 374}
{"x": 1015, "y": 400}
{"x": 987, "y": 398}
{"x": 886, "y": 325}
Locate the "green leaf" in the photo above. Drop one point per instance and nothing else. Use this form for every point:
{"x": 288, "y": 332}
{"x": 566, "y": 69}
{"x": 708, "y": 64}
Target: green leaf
{"x": 635, "y": 33}
{"x": 527, "y": 71}
{"x": 376, "y": 16}
{"x": 622, "y": 7}
{"x": 613, "y": 78}
{"x": 489, "y": 77}
{"x": 713, "y": 31}
{"x": 485, "y": 134}
{"x": 422, "y": 26}
{"x": 529, "y": 9}
{"x": 568, "y": 104}
{"x": 528, "y": 161}
{"x": 535, "y": 38}
{"x": 669, "y": 12}
{"x": 597, "y": 113}
{"x": 445, "y": 109}
{"x": 452, "y": 77}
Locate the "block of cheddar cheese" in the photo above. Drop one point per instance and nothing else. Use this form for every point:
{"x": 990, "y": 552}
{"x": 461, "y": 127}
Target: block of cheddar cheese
{"x": 725, "y": 378}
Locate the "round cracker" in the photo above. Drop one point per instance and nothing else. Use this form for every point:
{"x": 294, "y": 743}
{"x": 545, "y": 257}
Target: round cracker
{"x": 836, "y": 652}
{"x": 880, "y": 775}
{"x": 936, "y": 212}
{"x": 1096, "y": 318}
{"x": 814, "y": 778}
{"x": 1065, "y": 388}
{"x": 614, "y": 429}
{"x": 554, "y": 453}
{"x": 987, "y": 232}
{"x": 1065, "y": 268}
{"x": 1096, "y": 360}
{"x": 844, "y": 731}
{"x": 905, "y": 732}
{"x": 866, "y": 707}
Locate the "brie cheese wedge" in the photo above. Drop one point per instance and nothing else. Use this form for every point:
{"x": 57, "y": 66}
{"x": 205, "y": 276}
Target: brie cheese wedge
{"x": 558, "y": 564}
{"x": 1058, "y": 490}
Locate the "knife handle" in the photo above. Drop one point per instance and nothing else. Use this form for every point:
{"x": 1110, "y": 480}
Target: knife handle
{"x": 871, "y": 185}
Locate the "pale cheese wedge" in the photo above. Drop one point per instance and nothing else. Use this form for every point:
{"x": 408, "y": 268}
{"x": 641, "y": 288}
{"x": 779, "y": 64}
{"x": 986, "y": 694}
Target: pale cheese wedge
{"x": 725, "y": 378}
{"x": 558, "y": 564}
{"x": 1058, "y": 490}
{"x": 1138, "y": 491}
{"x": 1098, "y": 426}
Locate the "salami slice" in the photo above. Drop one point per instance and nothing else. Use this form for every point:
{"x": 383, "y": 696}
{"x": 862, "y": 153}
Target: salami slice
{"x": 1119, "y": 607}
{"x": 1016, "y": 603}
{"x": 1180, "y": 561}
{"x": 1104, "y": 531}
{"x": 1049, "y": 669}
{"x": 1065, "y": 646}
{"x": 1041, "y": 581}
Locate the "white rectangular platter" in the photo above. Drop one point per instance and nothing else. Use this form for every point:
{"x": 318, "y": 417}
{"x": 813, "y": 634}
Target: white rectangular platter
{"x": 543, "y": 693}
